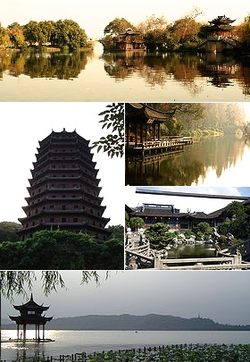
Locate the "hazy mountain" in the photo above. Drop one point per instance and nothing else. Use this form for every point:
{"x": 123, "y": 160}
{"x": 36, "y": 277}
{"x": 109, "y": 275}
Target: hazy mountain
{"x": 132, "y": 322}
{"x": 5, "y": 321}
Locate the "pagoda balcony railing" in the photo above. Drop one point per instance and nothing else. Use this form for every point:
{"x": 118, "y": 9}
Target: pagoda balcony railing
{"x": 38, "y": 166}
{"x": 60, "y": 211}
{"x": 83, "y": 166}
{"x": 81, "y": 198}
{"x": 40, "y": 180}
{"x": 72, "y": 224}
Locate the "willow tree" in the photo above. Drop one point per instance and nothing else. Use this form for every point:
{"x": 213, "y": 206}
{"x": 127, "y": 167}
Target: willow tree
{"x": 21, "y": 282}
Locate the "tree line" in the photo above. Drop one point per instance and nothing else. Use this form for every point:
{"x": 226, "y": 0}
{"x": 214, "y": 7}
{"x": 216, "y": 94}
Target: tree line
{"x": 183, "y": 34}
{"x": 197, "y": 120}
{"x": 64, "y": 250}
{"x": 59, "y": 34}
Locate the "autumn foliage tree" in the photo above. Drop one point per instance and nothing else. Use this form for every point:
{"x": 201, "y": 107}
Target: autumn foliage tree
{"x": 186, "y": 29}
{"x": 243, "y": 32}
{"x": 16, "y": 35}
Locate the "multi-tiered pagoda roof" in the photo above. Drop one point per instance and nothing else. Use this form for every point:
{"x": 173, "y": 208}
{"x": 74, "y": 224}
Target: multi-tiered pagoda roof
{"x": 64, "y": 188}
{"x": 221, "y": 23}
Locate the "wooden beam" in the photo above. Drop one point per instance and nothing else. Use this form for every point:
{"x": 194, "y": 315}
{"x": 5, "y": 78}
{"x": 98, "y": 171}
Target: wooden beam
{"x": 149, "y": 191}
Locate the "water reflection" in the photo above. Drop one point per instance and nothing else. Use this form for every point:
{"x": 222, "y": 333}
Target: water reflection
{"x": 193, "y": 166}
{"x": 158, "y": 69}
{"x": 45, "y": 65}
{"x": 172, "y": 77}
{"x": 33, "y": 352}
{"x": 21, "y": 351}
{"x": 192, "y": 251}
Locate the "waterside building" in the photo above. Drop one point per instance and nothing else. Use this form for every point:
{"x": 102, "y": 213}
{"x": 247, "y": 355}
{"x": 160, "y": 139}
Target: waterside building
{"x": 173, "y": 218}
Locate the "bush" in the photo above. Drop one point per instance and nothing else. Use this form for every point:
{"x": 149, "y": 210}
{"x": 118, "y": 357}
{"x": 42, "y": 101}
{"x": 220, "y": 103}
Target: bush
{"x": 53, "y": 250}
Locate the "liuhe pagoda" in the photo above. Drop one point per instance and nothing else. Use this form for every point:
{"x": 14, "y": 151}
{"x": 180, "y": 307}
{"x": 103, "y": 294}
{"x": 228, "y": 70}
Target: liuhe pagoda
{"x": 64, "y": 191}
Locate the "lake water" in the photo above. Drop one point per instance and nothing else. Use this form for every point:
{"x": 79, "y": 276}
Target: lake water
{"x": 211, "y": 162}
{"x": 69, "y": 342}
{"x": 123, "y": 77}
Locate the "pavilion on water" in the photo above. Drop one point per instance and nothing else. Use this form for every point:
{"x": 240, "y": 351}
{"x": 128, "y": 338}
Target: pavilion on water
{"x": 142, "y": 123}
{"x": 221, "y": 27}
{"x": 143, "y": 131}
{"x": 220, "y": 36}
{"x": 129, "y": 40}
{"x": 31, "y": 313}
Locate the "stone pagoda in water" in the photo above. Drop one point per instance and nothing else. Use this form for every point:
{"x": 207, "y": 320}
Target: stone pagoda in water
{"x": 31, "y": 313}
{"x": 64, "y": 191}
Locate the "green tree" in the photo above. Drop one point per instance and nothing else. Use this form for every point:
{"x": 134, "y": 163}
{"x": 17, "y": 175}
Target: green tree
{"x": 113, "y": 119}
{"x": 108, "y": 42}
{"x": 203, "y": 229}
{"x": 8, "y": 231}
{"x": 117, "y": 26}
{"x": 127, "y": 221}
{"x": 116, "y": 232}
{"x": 47, "y": 29}
{"x": 32, "y": 32}
{"x": 234, "y": 210}
{"x": 158, "y": 235}
{"x": 67, "y": 33}
{"x": 238, "y": 220}
{"x": 188, "y": 234}
{"x": 111, "y": 256}
{"x": 136, "y": 222}
{"x": 224, "y": 227}
{"x": 60, "y": 250}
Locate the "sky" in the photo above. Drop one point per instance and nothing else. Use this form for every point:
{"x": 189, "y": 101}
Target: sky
{"x": 220, "y": 295}
{"x": 24, "y": 124}
{"x": 94, "y": 15}
{"x": 133, "y": 199}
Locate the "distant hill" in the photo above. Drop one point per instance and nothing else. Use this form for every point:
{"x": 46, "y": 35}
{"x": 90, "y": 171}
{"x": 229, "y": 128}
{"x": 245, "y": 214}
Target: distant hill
{"x": 131, "y": 322}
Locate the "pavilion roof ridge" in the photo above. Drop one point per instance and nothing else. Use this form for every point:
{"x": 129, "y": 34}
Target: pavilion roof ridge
{"x": 30, "y": 304}
{"x": 151, "y": 112}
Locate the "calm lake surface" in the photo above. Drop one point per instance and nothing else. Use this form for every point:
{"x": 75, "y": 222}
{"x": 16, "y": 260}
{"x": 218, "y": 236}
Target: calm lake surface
{"x": 125, "y": 77}
{"x": 220, "y": 161}
{"x": 68, "y": 342}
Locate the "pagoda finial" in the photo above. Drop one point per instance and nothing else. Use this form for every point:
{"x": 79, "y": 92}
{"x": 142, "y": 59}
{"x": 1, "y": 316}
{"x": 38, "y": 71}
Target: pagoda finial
{"x": 31, "y": 297}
